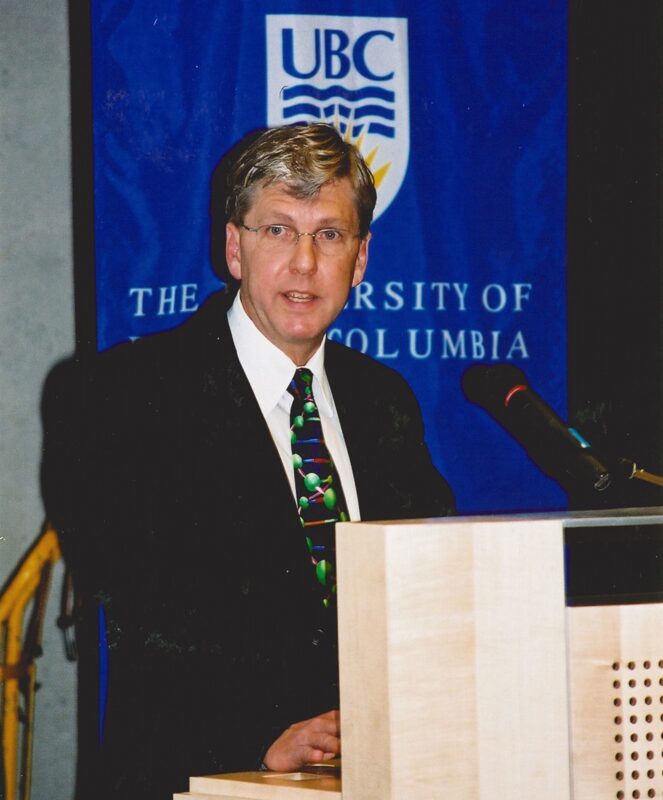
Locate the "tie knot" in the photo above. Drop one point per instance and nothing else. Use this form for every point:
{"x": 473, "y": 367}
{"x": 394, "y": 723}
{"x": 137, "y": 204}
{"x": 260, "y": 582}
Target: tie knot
{"x": 301, "y": 384}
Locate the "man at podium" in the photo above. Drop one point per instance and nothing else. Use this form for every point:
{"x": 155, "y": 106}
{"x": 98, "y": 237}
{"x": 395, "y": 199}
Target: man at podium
{"x": 195, "y": 478}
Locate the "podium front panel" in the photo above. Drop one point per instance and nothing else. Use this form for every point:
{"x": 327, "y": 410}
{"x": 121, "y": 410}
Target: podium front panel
{"x": 453, "y": 671}
{"x": 465, "y": 675}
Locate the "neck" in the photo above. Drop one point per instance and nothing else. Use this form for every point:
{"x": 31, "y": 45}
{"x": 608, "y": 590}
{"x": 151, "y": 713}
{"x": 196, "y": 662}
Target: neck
{"x": 300, "y": 356}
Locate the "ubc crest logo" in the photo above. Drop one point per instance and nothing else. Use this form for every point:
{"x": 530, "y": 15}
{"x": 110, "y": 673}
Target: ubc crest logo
{"x": 351, "y": 72}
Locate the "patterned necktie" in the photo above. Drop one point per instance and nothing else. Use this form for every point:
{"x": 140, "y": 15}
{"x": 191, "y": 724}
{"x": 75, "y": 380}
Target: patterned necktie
{"x": 320, "y": 499}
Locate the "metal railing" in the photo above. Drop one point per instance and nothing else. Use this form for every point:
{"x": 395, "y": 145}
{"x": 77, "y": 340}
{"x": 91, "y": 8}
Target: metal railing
{"x": 20, "y": 645}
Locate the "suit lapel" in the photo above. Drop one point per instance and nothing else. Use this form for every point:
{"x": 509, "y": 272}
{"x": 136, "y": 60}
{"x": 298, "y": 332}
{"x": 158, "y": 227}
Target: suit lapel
{"x": 367, "y": 437}
{"x": 353, "y": 427}
{"x": 239, "y": 447}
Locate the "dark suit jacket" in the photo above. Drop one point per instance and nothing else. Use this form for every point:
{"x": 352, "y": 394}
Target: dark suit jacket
{"x": 179, "y": 524}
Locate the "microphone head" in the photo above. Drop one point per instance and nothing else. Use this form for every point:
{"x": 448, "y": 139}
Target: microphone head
{"x": 488, "y": 385}
{"x": 502, "y": 391}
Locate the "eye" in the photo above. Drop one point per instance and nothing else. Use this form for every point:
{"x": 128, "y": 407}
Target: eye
{"x": 329, "y": 235}
{"x": 278, "y": 232}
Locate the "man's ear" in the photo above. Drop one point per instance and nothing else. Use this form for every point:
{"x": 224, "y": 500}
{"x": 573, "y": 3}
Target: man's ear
{"x": 361, "y": 261}
{"x": 233, "y": 251}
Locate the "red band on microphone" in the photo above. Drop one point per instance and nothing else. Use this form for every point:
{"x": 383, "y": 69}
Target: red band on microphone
{"x": 520, "y": 387}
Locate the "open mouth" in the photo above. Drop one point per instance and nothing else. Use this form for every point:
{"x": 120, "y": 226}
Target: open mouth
{"x": 300, "y": 297}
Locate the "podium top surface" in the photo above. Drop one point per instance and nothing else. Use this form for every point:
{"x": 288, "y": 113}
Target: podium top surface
{"x": 266, "y": 786}
{"x": 570, "y": 519}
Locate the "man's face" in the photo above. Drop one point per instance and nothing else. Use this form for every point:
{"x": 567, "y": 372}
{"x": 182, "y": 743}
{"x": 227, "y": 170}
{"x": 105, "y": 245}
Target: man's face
{"x": 294, "y": 296}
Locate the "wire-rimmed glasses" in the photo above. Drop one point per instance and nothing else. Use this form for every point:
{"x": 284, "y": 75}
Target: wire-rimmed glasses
{"x": 283, "y": 238}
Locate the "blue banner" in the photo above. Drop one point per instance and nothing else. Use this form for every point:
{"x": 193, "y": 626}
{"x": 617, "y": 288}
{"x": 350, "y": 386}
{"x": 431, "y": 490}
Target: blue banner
{"x": 460, "y": 109}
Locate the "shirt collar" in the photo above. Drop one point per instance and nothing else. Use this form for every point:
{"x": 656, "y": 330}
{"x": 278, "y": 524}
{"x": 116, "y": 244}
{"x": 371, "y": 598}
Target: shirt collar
{"x": 268, "y": 369}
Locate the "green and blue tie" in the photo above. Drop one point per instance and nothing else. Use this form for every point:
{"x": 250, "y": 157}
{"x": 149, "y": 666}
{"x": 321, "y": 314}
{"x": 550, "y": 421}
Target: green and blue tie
{"x": 320, "y": 500}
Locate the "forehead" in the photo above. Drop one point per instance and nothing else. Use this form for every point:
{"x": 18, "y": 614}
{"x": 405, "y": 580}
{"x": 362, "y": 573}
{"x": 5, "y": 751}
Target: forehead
{"x": 335, "y": 200}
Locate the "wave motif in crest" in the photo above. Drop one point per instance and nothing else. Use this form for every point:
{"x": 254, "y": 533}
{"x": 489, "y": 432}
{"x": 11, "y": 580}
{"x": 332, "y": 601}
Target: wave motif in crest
{"x": 343, "y": 114}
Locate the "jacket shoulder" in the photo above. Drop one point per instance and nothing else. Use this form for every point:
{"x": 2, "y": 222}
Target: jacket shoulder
{"x": 343, "y": 363}
{"x": 151, "y": 358}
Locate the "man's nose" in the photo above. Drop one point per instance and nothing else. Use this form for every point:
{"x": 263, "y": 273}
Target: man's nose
{"x": 304, "y": 254}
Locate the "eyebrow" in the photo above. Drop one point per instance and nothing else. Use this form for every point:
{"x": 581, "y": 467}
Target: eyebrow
{"x": 286, "y": 219}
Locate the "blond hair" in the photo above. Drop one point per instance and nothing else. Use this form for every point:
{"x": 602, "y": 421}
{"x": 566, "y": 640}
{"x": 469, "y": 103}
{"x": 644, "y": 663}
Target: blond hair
{"x": 304, "y": 158}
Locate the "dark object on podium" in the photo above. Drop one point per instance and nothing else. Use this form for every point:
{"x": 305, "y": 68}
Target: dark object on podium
{"x": 614, "y": 564}
{"x": 330, "y": 769}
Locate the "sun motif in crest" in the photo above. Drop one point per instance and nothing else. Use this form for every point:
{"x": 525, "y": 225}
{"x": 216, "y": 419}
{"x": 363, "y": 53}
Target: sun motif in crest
{"x": 379, "y": 173}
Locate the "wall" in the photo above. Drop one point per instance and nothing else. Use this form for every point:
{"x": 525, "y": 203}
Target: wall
{"x": 36, "y": 323}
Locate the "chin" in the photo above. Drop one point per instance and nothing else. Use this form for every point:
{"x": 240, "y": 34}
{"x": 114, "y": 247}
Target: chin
{"x": 304, "y": 335}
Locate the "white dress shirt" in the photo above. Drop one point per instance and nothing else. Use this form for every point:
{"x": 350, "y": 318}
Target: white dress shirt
{"x": 269, "y": 371}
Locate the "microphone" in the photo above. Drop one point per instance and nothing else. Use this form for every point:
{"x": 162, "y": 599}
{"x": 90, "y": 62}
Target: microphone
{"x": 559, "y": 450}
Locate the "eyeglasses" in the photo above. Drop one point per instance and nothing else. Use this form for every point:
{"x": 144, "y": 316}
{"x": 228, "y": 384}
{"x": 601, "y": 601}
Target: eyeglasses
{"x": 283, "y": 238}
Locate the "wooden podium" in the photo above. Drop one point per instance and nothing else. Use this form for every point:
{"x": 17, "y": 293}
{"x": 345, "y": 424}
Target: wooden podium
{"x": 493, "y": 658}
